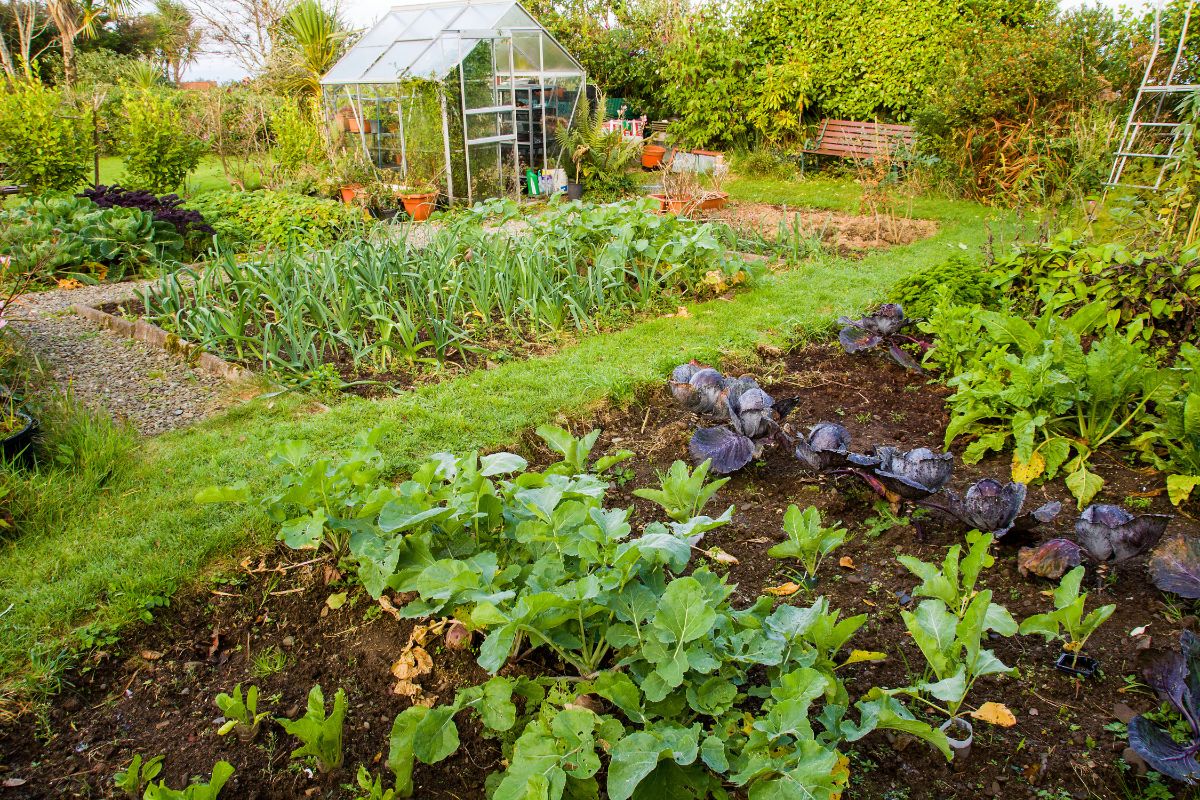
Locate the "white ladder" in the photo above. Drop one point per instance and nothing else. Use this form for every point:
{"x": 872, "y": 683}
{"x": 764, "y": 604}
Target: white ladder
{"x": 1161, "y": 128}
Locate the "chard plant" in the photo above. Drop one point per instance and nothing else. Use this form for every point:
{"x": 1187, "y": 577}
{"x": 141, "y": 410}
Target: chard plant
{"x": 222, "y": 771}
{"x": 139, "y": 772}
{"x": 683, "y": 493}
{"x": 808, "y": 540}
{"x": 241, "y": 714}
{"x": 652, "y": 678}
{"x": 320, "y": 735}
{"x": 1067, "y": 622}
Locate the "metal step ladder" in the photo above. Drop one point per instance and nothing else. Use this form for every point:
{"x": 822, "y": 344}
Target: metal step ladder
{"x": 1153, "y": 131}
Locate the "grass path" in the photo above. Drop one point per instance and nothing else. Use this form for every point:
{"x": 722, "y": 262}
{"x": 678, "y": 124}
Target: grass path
{"x": 146, "y": 535}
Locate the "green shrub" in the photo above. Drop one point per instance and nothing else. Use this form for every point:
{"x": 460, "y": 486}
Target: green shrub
{"x": 297, "y": 137}
{"x": 251, "y": 219}
{"x": 960, "y": 279}
{"x": 73, "y": 237}
{"x": 45, "y": 143}
{"x": 158, "y": 148}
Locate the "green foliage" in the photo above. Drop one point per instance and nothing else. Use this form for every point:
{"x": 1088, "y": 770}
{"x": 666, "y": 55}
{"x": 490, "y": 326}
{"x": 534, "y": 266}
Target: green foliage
{"x": 960, "y": 280}
{"x": 382, "y": 302}
{"x": 1172, "y": 442}
{"x": 158, "y": 148}
{"x": 1057, "y": 403}
{"x": 683, "y": 493}
{"x": 1152, "y": 295}
{"x": 297, "y": 137}
{"x": 706, "y": 80}
{"x": 808, "y": 540}
{"x": 954, "y": 584}
{"x": 577, "y": 451}
{"x": 222, "y": 771}
{"x": 1067, "y": 621}
{"x": 372, "y": 788}
{"x": 45, "y": 142}
{"x": 320, "y": 736}
{"x": 55, "y": 236}
{"x": 603, "y": 159}
{"x": 250, "y": 220}
{"x": 241, "y": 715}
{"x": 131, "y": 779}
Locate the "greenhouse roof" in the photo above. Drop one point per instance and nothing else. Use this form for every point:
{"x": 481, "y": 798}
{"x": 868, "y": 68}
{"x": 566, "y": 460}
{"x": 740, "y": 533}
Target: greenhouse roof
{"x": 429, "y": 39}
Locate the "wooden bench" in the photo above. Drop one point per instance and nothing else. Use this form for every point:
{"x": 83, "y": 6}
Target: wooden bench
{"x": 849, "y": 139}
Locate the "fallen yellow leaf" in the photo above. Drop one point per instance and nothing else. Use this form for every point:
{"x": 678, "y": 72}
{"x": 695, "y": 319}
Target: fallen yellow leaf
{"x": 783, "y": 590}
{"x": 846, "y": 561}
{"x": 858, "y": 656}
{"x": 867, "y": 602}
{"x": 995, "y": 714}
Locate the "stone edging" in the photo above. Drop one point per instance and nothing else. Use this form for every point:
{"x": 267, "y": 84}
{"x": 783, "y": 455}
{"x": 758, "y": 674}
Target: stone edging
{"x": 155, "y": 336}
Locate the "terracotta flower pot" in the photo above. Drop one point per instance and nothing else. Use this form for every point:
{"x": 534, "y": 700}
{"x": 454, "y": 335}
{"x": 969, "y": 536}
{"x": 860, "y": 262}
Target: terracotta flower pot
{"x": 674, "y": 205}
{"x": 714, "y": 201}
{"x": 350, "y": 124}
{"x": 652, "y": 155}
{"x": 419, "y": 206}
{"x": 350, "y": 192}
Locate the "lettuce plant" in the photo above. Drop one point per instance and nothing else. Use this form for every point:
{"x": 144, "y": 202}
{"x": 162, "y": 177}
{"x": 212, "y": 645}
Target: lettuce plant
{"x": 222, "y": 771}
{"x": 1067, "y": 622}
{"x": 320, "y": 735}
{"x": 1175, "y": 677}
{"x": 131, "y": 779}
{"x": 808, "y": 540}
{"x": 241, "y": 714}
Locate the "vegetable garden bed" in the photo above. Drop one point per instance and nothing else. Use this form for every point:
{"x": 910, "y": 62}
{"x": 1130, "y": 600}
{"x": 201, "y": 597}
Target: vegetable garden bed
{"x": 284, "y": 624}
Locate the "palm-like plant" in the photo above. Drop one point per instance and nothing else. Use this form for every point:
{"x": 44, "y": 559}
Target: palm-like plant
{"x": 311, "y": 40}
{"x": 73, "y": 18}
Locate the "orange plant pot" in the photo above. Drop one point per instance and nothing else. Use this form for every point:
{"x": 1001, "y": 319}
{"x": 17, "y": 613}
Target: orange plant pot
{"x": 674, "y": 205}
{"x": 350, "y": 192}
{"x": 714, "y": 201}
{"x": 419, "y": 206}
{"x": 652, "y": 155}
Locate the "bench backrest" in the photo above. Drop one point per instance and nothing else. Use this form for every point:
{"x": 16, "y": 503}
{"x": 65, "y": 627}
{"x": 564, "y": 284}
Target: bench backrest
{"x": 850, "y": 139}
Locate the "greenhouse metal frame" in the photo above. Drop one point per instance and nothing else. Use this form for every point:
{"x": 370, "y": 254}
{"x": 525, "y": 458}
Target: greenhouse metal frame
{"x": 463, "y": 93}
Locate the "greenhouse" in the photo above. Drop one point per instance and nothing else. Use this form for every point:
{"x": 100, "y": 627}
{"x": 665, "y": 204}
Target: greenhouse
{"x": 461, "y": 95}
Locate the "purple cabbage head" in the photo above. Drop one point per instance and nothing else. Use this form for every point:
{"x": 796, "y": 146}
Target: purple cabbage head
{"x": 1175, "y": 677}
{"x": 1110, "y": 533}
{"x": 989, "y": 506}
{"x": 697, "y": 388}
{"x": 1051, "y": 559}
{"x": 877, "y": 329}
{"x": 826, "y": 447}
{"x": 751, "y": 410}
{"x": 1175, "y": 566}
{"x": 728, "y": 450}
{"x": 913, "y": 474}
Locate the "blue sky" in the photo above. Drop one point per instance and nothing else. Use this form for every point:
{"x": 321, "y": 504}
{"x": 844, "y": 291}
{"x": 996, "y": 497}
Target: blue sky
{"x": 363, "y": 13}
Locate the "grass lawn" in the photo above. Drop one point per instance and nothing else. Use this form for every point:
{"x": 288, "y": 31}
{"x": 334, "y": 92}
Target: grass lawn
{"x": 207, "y": 177}
{"x": 147, "y": 536}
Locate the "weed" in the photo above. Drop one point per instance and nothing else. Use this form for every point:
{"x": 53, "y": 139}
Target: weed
{"x": 269, "y": 661}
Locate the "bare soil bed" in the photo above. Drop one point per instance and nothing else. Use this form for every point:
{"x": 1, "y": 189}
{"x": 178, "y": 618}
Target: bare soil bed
{"x": 154, "y": 692}
{"x": 846, "y": 234}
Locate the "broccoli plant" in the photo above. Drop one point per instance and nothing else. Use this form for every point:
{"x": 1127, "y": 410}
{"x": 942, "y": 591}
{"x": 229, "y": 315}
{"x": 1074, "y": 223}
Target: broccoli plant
{"x": 222, "y": 771}
{"x": 241, "y": 714}
{"x": 131, "y": 779}
{"x": 683, "y": 494}
{"x": 808, "y": 540}
{"x": 1067, "y": 622}
{"x": 321, "y": 736}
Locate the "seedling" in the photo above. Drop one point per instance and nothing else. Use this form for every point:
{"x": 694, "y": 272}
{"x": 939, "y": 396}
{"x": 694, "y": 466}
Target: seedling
{"x": 222, "y": 771}
{"x": 240, "y": 715}
{"x": 954, "y": 584}
{"x": 576, "y": 451}
{"x": 321, "y": 735}
{"x": 137, "y": 774}
{"x": 1067, "y": 621}
{"x": 372, "y": 788}
{"x": 683, "y": 494}
{"x": 807, "y": 539}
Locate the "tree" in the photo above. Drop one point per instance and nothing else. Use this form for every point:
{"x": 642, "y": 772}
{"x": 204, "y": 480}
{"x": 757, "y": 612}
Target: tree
{"x": 176, "y": 37}
{"x": 22, "y": 40}
{"x": 311, "y": 39}
{"x": 73, "y": 18}
{"x": 241, "y": 29}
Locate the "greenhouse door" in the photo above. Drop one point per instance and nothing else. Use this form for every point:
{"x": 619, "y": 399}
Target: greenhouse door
{"x": 489, "y": 121}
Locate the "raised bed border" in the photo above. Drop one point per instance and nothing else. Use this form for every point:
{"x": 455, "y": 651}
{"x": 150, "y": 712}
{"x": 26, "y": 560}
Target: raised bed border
{"x": 143, "y": 331}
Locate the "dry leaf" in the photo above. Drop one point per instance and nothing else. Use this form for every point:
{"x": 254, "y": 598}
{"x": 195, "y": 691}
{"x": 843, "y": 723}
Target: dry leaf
{"x": 782, "y": 590}
{"x": 995, "y": 714}
{"x": 721, "y": 557}
{"x": 413, "y": 664}
{"x": 386, "y": 605}
{"x": 867, "y": 602}
{"x": 846, "y": 562}
{"x": 151, "y": 655}
{"x": 336, "y": 601}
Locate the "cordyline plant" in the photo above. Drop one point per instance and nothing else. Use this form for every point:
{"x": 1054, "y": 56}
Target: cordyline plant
{"x": 649, "y": 676}
{"x": 885, "y": 328}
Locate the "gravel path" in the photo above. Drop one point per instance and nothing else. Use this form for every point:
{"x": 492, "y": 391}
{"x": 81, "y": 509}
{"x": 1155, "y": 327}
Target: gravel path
{"x": 151, "y": 389}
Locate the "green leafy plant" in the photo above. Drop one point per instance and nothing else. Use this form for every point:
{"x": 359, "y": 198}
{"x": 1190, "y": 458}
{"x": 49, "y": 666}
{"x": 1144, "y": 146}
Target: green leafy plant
{"x": 808, "y": 540}
{"x": 241, "y": 715}
{"x": 1068, "y": 622}
{"x": 321, "y": 736}
{"x": 222, "y": 771}
{"x": 603, "y": 159}
{"x": 159, "y": 149}
{"x": 576, "y": 451}
{"x": 45, "y": 142}
{"x": 131, "y": 779}
{"x": 371, "y": 788}
{"x": 683, "y": 493}
{"x": 1172, "y": 442}
{"x": 960, "y": 280}
{"x": 954, "y": 583}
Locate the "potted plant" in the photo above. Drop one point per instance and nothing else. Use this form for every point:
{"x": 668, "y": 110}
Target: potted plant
{"x": 680, "y": 190}
{"x": 350, "y": 122}
{"x": 1068, "y": 624}
{"x": 418, "y": 192}
{"x": 714, "y": 199}
{"x": 350, "y": 173}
